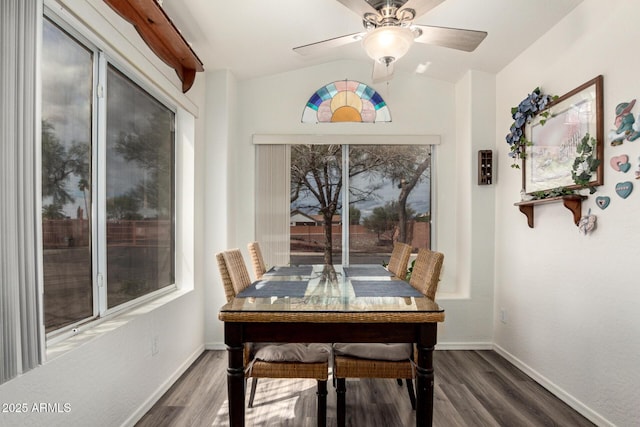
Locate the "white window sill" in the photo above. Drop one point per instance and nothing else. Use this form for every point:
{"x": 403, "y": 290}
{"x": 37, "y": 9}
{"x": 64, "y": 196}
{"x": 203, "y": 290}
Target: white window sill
{"x": 101, "y": 327}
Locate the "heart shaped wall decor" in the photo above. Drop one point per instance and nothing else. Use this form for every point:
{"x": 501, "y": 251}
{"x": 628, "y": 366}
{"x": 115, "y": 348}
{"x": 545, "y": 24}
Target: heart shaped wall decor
{"x": 603, "y": 201}
{"x": 616, "y": 162}
{"x": 623, "y": 189}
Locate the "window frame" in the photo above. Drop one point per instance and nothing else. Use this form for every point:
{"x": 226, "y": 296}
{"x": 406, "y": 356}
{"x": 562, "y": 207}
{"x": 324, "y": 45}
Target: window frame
{"x": 102, "y": 58}
{"x": 277, "y": 239}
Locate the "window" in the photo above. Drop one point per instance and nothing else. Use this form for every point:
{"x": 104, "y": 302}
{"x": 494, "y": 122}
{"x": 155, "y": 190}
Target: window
{"x": 107, "y": 184}
{"x": 139, "y": 191}
{"x": 387, "y": 189}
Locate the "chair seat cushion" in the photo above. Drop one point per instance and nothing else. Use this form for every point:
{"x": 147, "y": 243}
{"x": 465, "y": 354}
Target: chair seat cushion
{"x": 293, "y": 352}
{"x": 374, "y": 351}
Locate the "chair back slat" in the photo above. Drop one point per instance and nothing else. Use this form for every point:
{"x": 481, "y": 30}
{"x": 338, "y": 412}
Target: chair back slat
{"x": 237, "y": 269}
{"x": 399, "y": 259}
{"x": 426, "y": 272}
{"x": 257, "y": 260}
{"x": 229, "y": 293}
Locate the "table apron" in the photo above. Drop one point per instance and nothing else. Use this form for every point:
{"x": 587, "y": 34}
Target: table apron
{"x": 237, "y": 332}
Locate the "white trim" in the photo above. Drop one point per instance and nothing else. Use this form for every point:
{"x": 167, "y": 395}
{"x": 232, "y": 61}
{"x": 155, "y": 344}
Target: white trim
{"x": 556, "y": 390}
{"x": 480, "y": 345}
{"x": 215, "y": 346}
{"x": 378, "y": 139}
{"x": 160, "y": 391}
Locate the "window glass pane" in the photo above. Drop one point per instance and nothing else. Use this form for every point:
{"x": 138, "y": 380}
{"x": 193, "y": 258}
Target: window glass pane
{"x": 389, "y": 200}
{"x": 67, "y": 73}
{"x": 316, "y": 203}
{"x": 140, "y": 191}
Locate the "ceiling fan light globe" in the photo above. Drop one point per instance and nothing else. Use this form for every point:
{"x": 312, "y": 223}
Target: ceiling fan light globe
{"x": 388, "y": 42}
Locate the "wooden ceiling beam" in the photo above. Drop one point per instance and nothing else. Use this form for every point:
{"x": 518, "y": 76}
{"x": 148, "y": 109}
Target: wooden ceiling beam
{"x": 161, "y": 35}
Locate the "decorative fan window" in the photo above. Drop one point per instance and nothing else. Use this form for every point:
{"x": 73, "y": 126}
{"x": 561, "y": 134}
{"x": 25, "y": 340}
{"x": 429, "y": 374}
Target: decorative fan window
{"x": 346, "y": 101}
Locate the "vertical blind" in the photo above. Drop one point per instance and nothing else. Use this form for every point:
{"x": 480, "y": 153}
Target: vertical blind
{"x": 272, "y": 202}
{"x": 20, "y": 331}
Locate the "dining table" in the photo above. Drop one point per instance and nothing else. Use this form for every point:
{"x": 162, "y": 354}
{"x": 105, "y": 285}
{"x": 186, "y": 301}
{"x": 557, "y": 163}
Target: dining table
{"x": 327, "y": 304}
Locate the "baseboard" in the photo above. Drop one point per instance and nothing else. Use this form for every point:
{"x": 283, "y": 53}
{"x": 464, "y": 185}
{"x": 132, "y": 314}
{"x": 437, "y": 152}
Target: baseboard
{"x": 464, "y": 346}
{"x": 215, "y": 346}
{"x": 561, "y": 394}
{"x": 148, "y": 404}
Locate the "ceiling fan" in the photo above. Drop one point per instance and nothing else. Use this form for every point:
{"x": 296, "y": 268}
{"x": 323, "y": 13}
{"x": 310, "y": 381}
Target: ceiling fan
{"x": 390, "y": 32}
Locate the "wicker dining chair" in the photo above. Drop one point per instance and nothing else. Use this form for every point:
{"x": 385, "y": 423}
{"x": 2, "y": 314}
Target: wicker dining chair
{"x": 235, "y": 278}
{"x": 259, "y": 267}
{"x": 375, "y": 360}
{"x": 425, "y": 275}
{"x": 399, "y": 259}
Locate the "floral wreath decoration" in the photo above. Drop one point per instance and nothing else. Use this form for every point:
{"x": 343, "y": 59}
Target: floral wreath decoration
{"x": 534, "y": 104}
{"x": 585, "y": 163}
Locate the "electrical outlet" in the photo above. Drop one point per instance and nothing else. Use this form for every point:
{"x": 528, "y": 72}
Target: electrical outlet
{"x": 154, "y": 345}
{"x": 503, "y": 315}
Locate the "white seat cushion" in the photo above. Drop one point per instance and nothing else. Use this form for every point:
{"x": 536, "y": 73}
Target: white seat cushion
{"x": 374, "y": 351}
{"x": 293, "y": 352}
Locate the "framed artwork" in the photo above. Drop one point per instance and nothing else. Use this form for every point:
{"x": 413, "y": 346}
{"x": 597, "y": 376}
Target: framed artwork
{"x": 549, "y": 161}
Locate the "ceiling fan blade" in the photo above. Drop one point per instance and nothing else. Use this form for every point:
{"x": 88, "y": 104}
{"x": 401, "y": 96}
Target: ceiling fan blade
{"x": 360, "y": 7}
{"x": 454, "y": 38}
{"x": 419, "y": 6}
{"x": 381, "y": 72}
{"x": 319, "y": 47}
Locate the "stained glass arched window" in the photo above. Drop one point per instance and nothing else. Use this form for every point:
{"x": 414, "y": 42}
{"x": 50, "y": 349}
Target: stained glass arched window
{"x": 346, "y": 101}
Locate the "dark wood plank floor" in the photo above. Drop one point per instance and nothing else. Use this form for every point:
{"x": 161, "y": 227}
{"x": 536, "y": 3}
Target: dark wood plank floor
{"x": 472, "y": 388}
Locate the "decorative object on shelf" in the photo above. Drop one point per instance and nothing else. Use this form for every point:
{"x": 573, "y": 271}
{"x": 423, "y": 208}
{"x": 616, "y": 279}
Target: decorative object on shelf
{"x": 587, "y": 223}
{"x": 162, "y": 37}
{"x": 620, "y": 163}
{"x": 551, "y": 193}
{"x": 585, "y": 163}
{"x": 568, "y": 150}
{"x": 524, "y": 197}
{"x": 626, "y": 125}
{"x": 535, "y": 103}
{"x": 603, "y": 202}
{"x": 623, "y": 189}
{"x": 346, "y": 101}
{"x": 485, "y": 167}
{"x": 638, "y": 171}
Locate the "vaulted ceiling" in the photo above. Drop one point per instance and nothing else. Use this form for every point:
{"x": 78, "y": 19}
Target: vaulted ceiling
{"x": 254, "y": 38}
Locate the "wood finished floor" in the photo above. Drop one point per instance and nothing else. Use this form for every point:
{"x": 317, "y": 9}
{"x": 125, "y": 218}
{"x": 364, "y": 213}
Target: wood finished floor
{"x": 472, "y": 388}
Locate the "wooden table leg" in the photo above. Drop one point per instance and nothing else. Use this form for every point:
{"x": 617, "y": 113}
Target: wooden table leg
{"x": 235, "y": 373}
{"x": 341, "y": 410}
{"x": 424, "y": 374}
{"x": 322, "y": 403}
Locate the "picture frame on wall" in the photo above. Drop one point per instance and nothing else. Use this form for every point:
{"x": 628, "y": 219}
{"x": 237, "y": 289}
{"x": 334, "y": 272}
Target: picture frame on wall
{"x": 549, "y": 161}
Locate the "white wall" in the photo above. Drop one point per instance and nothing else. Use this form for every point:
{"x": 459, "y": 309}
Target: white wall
{"x": 572, "y": 300}
{"x": 419, "y": 105}
{"x": 215, "y": 166}
{"x": 107, "y": 375}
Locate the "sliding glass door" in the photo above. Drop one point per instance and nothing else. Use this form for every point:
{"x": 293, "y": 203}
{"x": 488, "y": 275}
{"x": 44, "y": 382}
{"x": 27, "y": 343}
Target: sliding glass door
{"x": 387, "y": 189}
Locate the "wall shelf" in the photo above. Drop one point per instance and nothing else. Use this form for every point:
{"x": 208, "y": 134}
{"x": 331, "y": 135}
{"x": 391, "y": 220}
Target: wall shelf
{"x": 162, "y": 37}
{"x": 485, "y": 166}
{"x": 571, "y": 202}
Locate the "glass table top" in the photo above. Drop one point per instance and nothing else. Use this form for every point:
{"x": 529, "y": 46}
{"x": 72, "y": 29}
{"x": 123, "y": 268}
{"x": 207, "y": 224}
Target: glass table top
{"x": 331, "y": 289}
